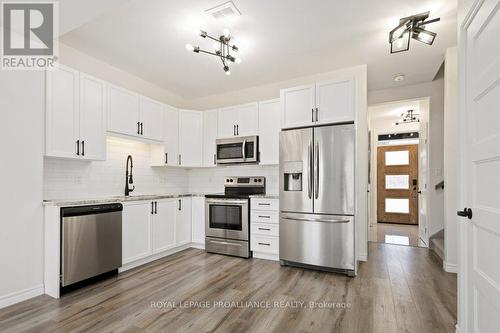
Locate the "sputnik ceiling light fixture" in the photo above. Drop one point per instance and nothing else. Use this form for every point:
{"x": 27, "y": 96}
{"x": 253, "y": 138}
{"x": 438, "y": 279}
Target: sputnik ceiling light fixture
{"x": 407, "y": 117}
{"x": 414, "y": 27}
{"x": 222, "y": 49}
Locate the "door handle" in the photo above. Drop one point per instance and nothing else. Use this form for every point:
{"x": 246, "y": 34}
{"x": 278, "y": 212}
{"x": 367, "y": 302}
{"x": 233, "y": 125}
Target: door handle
{"x": 78, "y": 147}
{"x": 266, "y": 244}
{"x": 264, "y": 216}
{"x": 316, "y": 186}
{"x": 467, "y": 212}
{"x": 225, "y": 243}
{"x": 166, "y": 158}
{"x": 237, "y": 129}
{"x": 309, "y": 163}
{"x": 315, "y": 220}
{"x": 156, "y": 207}
{"x": 152, "y": 208}
{"x": 215, "y": 160}
{"x": 243, "y": 150}
{"x": 142, "y": 132}
{"x": 138, "y": 128}
{"x": 180, "y": 159}
{"x": 180, "y": 204}
{"x": 83, "y": 148}
{"x": 265, "y": 229}
{"x": 312, "y": 115}
{"x": 234, "y": 130}
{"x": 317, "y": 116}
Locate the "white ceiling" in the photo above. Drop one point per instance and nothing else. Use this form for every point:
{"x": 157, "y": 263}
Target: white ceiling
{"x": 391, "y": 112}
{"x": 278, "y": 40}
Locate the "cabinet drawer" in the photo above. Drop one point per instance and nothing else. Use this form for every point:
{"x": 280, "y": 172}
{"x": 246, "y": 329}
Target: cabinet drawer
{"x": 265, "y": 229}
{"x": 264, "y": 216}
{"x": 265, "y": 204}
{"x": 265, "y": 244}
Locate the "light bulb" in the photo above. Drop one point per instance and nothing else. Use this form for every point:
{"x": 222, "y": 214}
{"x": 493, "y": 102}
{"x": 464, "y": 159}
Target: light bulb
{"x": 228, "y": 72}
{"x": 237, "y": 60}
{"x": 189, "y": 47}
{"x": 227, "y": 34}
{"x": 399, "y": 42}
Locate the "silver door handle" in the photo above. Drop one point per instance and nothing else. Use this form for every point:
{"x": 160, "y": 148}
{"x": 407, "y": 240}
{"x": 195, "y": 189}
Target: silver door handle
{"x": 315, "y": 220}
{"x": 243, "y": 151}
{"x": 309, "y": 161}
{"x": 225, "y": 243}
{"x": 316, "y": 186}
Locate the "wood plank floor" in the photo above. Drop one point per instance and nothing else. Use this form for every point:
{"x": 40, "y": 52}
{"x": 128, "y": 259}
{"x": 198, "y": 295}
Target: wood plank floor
{"x": 400, "y": 289}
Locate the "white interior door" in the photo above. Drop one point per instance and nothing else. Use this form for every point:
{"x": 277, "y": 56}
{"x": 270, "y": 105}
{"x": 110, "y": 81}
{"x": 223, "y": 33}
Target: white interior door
{"x": 92, "y": 118}
{"x": 480, "y": 65}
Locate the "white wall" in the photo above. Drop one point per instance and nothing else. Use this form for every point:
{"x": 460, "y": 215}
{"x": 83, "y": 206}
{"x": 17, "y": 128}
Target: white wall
{"x": 435, "y": 91}
{"x": 451, "y": 158}
{"x": 21, "y": 172}
{"x": 68, "y": 179}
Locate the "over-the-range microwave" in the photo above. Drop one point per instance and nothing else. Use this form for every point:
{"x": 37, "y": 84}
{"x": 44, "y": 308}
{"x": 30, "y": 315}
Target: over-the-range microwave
{"x": 238, "y": 150}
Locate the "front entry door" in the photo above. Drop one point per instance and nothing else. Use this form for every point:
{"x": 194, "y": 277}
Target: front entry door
{"x": 397, "y": 184}
{"x": 480, "y": 227}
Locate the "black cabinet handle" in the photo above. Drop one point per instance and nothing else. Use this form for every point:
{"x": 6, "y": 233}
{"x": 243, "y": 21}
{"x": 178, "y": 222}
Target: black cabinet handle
{"x": 467, "y": 212}
{"x": 265, "y": 229}
{"x": 156, "y": 207}
{"x": 166, "y": 158}
{"x": 312, "y": 115}
{"x": 138, "y": 128}
{"x": 264, "y": 216}
{"x": 264, "y": 204}
{"x": 78, "y": 147}
{"x": 215, "y": 159}
{"x": 152, "y": 208}
{"x": 83, "y": 148}
{"x": 142, "y": 132}
{"x": 234, "y": 130}
{"x": 180, "y": 159}
{"x": 180, "y": 205}
{"x": 266, "y": 244}
{"x": 317, "y": 117}
{"x": 237, "y": 129}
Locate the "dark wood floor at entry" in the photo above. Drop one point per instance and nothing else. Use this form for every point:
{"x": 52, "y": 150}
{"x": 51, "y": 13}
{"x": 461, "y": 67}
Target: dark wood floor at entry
{"x": 400, "y": 289}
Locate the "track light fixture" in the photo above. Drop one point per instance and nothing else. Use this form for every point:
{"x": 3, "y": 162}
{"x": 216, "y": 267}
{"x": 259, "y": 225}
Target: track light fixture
{"x": 409, "y": 116}
{"x": 222, "y": 49}
{"x": 411, "y": 27}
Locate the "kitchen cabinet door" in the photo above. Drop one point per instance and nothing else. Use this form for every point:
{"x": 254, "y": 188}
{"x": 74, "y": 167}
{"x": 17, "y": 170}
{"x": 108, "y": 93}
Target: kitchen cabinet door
{"x": 190, "y": 138}
{"x": 335, "y": 101}
{"x": 269, "y": 129}
{"x": 151, "y": 117}
{"x": 171, "y": 134}
{"x": 297, "y": 105}
{"x": 62, "y": 113}
{"x": 164, "y": 225}
{"x": 92, "y": 118}
{"x": 209, "y": 137}
{"x": 183, "y": 221}
{"x": 248, "y": 119}
{"x": 136, "y": 224}
{"x": 198, "y": 220}
{"x": 123, "y": 111}
{"x": 228, "y": 118}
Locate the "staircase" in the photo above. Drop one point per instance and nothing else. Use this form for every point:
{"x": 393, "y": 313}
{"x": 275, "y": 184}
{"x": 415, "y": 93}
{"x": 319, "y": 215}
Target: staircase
{"x": 436, "y": 244}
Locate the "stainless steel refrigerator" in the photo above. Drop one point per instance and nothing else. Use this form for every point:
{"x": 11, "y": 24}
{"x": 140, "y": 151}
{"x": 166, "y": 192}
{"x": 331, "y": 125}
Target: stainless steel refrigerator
{"x": 317, "y": 197}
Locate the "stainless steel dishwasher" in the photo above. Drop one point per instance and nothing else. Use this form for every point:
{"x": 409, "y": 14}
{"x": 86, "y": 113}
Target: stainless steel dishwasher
{"x": 91, "y": 242}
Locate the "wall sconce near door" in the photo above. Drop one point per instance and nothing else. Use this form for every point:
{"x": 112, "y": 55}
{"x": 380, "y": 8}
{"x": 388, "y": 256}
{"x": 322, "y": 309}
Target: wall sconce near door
{"x": 411, "y": 27}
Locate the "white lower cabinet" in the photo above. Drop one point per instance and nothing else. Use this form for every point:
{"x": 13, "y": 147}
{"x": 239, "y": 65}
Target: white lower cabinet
{"x": 164, "y": 217}
{"x": 264, "y": 228}
{"x": 136, "y": 231}
{"x": 183, "y": 221}
{"x": 198, "y": 221}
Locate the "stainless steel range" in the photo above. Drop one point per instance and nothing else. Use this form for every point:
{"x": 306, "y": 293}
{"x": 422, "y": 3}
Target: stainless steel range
{"x": 227, "y": 227}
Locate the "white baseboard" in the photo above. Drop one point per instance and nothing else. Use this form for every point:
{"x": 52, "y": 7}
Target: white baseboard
{"x": 450, "y": 268}
{"x": 200, "y": 246}
{"x": 266, "y": 256}
{"x": 363, "y": 257}
{"x": 457, "y": 329}
{"x": 153, "y": 257}
{"x": 20, "y": 296}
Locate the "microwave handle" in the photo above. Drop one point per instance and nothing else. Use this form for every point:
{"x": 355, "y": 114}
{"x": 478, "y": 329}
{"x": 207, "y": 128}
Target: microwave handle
{"x": 243, "y": 150}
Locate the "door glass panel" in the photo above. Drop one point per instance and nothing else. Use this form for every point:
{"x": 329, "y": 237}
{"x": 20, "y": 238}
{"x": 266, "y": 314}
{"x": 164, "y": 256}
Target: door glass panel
{"x": 225, "y": 217}
{"x": 397, "y": 182}
{"x": 401, "y": 157}
{"x": 397, "y": 206}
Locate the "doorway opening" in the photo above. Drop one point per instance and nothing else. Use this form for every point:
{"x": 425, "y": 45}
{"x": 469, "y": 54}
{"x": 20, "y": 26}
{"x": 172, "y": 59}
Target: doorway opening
{"x": 398, "y": 170}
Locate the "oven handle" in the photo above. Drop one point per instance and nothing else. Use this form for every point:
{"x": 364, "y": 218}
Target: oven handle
{"x": 225, "y": 243}
{"x": 227, "y": 201}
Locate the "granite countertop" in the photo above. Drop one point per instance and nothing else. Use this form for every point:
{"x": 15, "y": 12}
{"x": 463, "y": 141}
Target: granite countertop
{"x": 265, "y": 196}
{"x": 118, "y": 198}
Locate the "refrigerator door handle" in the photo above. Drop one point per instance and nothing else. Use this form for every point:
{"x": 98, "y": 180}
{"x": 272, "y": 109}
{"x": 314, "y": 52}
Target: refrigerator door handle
{"x": 309, "y": 167}
{"x": 316, "y": 171}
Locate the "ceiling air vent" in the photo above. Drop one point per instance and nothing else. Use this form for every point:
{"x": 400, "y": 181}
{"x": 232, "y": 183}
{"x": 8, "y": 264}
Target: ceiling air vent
{"x": 224, "y": 10}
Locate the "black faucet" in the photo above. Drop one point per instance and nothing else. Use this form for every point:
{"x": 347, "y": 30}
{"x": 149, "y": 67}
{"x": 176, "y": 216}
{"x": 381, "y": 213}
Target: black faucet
{"x": 128, "y": 177}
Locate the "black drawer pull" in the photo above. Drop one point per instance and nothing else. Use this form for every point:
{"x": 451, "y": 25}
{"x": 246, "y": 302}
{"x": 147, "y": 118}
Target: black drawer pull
{"x": 266, "y": 244}
{"x": 264, "y": 204}
{"x": 265, "y": 217}
{"x": 266, "y": 229}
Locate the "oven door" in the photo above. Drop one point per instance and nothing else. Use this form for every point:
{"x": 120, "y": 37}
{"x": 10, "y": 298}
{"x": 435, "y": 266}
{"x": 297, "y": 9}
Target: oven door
{"x": 227, "y": 218}
{"x": 238, "y": 150}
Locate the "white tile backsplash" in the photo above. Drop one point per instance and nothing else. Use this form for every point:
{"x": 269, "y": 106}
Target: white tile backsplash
{"x": 72, "y": 179}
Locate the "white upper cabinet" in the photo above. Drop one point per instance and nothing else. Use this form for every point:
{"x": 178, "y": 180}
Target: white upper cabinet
{"x": 269, "y": 129}
{"x": 92, "y": 118}
{"x": 209, "y": 137}
{"x": 171, "y": 136}
{"x": 151, "y": 119}
{"x": 75, "y": 115}
{"x": 123, "y": 111}
{"x": 164, "y": 217}
{"x": 62, "y": 114}
{"x": 297, "y": 106}
{"x": 317, "y": 104}
{"x": 335, "y": 101}
{"x": 190, "y": 138}
{"x": 239, "y": 120}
